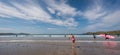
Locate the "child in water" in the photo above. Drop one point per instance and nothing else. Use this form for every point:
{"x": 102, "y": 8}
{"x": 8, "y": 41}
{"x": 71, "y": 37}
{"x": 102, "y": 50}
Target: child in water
{"x": 73, "y": 40}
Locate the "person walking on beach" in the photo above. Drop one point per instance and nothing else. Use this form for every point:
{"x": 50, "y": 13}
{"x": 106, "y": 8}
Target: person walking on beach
{"x": 73, "y": 40}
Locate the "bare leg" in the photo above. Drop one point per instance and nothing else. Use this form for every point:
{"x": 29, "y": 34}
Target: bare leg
{"x": 74, "y": 50}
{"x": 73, "y": 44}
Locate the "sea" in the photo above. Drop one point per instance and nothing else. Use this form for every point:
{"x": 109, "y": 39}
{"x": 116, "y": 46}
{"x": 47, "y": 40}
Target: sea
{"x": 55, "y": 37}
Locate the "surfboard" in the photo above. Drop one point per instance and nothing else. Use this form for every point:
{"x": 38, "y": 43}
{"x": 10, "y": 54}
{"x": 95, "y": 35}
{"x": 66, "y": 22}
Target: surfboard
{"x": 108, "y": 36}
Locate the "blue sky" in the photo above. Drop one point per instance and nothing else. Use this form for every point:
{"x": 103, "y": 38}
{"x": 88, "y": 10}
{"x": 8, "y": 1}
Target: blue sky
{"x": 59, "y": 16}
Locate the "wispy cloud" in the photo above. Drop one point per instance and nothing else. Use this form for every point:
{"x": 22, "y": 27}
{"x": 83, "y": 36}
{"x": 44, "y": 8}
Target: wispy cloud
{"x": 95, "y": 11}
{"x": 51, "y": 28}
{"x": 112, "y": 18}
{"x": 52, "y": 11}
{"x": 61, "y": 7}
{"x": 32, "y": 13}
{"x": 30, "y": 10}
{"x": 101, "y": 18}
{"x": 108, "y": 21}
{"x": 5, "y": 29}
{"x": 68, "y": 22}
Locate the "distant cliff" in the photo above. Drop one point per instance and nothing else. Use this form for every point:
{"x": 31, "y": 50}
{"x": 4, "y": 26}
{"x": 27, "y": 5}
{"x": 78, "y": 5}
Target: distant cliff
{"x": 103, "y": 32}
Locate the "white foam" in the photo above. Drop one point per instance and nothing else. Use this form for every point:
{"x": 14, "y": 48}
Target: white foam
{"x": 53, "y": 41}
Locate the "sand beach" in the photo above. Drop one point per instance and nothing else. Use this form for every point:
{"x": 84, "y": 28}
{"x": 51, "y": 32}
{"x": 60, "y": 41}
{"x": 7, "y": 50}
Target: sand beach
{"x": 29, "y": 47}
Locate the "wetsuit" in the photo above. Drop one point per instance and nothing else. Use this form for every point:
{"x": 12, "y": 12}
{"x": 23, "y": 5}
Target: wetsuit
{"x": 106, "y": 37}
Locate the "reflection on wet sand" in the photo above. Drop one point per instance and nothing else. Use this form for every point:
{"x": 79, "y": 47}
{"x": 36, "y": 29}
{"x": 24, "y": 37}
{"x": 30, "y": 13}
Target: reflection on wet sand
{"x": 111, "y": 47}
{"x": 60, "y": 48}
{"x": 74, "y": 51}
{"x": 110, "y": 44}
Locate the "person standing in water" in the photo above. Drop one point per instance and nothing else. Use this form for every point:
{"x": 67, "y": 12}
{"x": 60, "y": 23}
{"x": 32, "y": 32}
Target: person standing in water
{"x": 65, "y": 35}
{"x": 106, "y": 36}
{"x": 73, "y": 40}
{"x": 94, "y": 36}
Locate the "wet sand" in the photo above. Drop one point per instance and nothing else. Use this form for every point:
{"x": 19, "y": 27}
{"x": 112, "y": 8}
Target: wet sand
{"x": 60, "y": 48}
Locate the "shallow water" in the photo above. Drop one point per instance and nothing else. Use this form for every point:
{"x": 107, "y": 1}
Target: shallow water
{"x": 60, "y": 48}
{"x": 58, "y": 45}
{"x": 52, "y": 37}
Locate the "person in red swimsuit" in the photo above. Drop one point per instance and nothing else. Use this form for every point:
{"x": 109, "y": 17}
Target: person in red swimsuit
{"x": 73, "y": 40}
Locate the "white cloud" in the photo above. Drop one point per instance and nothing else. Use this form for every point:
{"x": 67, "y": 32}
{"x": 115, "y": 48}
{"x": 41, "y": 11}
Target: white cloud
{"x": 101, "y": 18}
{"x": 51, "y": 28}
{"x": 5, "y": 29}
{"x": 51, "y": 10}
{"x": 112, "y": 18}
{"x": 33, "y": 11}
{"x": 1, "y": 15}
{"x": 93, "y": 15}
{"x": 95, "y": 11}
{"x": 68, "y": 22}
{"x": 71, "y": 22}
{"x": 61, "y": 7}
{"x": 6, "y": 10}
{"x": 108, "y": 21}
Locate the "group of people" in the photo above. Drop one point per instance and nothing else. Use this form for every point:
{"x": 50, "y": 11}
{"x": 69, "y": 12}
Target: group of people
{"x": 72, "y": 37}
{"x": 104, "y": 35}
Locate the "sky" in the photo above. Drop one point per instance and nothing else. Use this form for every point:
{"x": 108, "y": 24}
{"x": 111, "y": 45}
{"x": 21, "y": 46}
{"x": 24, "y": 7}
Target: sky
{"x": 59, "y": 16}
